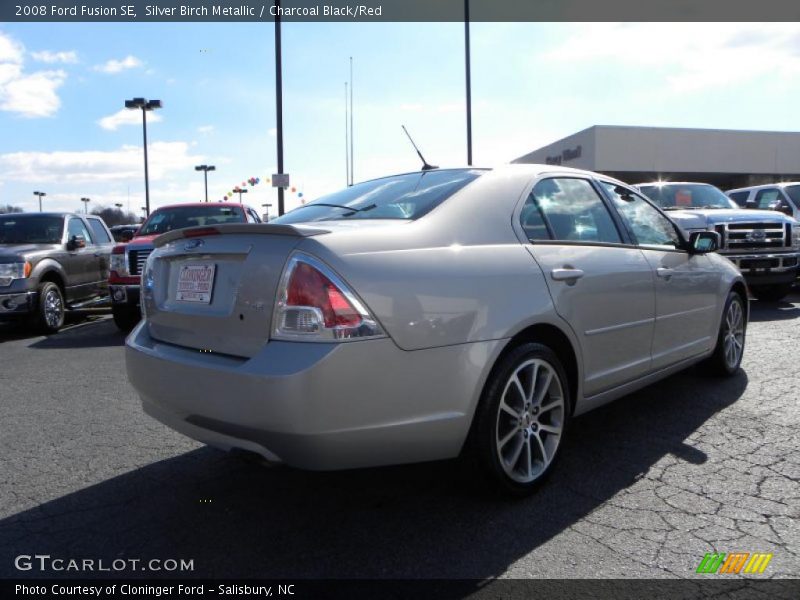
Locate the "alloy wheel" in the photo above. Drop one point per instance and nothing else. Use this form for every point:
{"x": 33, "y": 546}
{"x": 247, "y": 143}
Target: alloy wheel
{"x": 53, "y": 309}
{"x": 530, "y": 420}
{"x": 733, "y": 334}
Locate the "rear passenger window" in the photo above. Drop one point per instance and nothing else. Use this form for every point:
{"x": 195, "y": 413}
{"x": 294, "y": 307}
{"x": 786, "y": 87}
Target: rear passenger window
{"x": 567, "y": 209}
{"x": 100, "y": 235}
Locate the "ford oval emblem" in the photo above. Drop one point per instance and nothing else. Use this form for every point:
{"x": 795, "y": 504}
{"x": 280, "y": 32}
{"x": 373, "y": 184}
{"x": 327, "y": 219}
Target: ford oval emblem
{"x": 193, "y": 245}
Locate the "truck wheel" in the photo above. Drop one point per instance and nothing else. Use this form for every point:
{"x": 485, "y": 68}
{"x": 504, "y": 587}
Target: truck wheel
{"x": 771, "y": 293}
{"x": 730, "y": 341}
{"x": 49, "y": 316}
{"x": 124, "y": 318}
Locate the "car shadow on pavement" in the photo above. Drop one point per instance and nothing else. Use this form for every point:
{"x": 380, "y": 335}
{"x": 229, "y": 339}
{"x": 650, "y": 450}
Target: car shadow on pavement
{"x": 80, "y": 331}
{"x": 788, "y": 308}
{"x": 234, "y": 518}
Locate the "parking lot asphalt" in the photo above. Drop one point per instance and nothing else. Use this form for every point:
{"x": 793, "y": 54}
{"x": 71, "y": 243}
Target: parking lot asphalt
{"x": 645, "y": 487}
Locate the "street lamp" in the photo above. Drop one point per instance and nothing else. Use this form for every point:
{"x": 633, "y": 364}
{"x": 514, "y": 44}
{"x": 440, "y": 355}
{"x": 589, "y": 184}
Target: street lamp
{"x": 86, "y": 205}
{"x": 205, "y": 169}
{"x": 144, "y": 105}
{"x": 266, "y": 211}
{"x": 40, "y": 194}
{"x": 240, "y": 191}
{"x": 118, "y": 205}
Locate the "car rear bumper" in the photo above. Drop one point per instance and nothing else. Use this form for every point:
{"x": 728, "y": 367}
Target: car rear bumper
{"x": 314, "y": 405}
{"x": 17, "y": 304}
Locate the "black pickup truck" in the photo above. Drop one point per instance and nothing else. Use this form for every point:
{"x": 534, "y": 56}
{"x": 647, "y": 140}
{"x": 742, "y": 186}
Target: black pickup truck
{"x": 52, "y": 262}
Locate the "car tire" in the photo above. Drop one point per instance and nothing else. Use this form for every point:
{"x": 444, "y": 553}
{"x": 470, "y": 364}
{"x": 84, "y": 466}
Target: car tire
{"x": 728, "y": 353}
{"x": 125, "y": 318}
{"x": 49, "y": 315}
{"x": 771, "y": 293}
{"x": 521, "y": 419}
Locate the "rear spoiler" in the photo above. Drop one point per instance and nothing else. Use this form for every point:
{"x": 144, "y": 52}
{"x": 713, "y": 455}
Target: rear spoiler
{"x": 230, "y": 228}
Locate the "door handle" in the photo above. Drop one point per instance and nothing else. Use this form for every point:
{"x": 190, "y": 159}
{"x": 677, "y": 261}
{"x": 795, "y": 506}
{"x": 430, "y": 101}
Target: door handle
{"x": 566, "y": 274}
{"x": 664, "y": 272}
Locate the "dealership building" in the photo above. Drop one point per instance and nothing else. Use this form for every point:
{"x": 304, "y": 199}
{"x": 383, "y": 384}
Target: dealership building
{"x": 723, "y": 157}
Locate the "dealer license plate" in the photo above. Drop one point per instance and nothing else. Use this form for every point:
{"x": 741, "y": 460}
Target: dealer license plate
{"x": 195, "y": 283}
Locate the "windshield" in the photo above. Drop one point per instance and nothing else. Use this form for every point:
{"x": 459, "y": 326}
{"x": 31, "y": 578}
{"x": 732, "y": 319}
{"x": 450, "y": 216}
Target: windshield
{"x": 687, "y": 195}
{"x": 794, "y": 194}
{"x": 180, "y": 217}
{"x": 30, "y": 230}
{"x": 399, "y": 197}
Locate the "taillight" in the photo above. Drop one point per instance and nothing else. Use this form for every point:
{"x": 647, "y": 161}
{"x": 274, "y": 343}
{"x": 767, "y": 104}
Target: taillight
{"x": 314, "y": 304}
{"x": 118, "y": 262}
{"x": 200, "y": 232}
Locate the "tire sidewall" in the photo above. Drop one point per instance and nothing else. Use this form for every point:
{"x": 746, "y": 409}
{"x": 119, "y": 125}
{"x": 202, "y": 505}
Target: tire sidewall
{"x": 484, "y": 430}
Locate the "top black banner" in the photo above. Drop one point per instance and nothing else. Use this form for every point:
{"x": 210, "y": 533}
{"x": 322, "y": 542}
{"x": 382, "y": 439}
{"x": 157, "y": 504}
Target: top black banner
{"x": 397, "y": 10}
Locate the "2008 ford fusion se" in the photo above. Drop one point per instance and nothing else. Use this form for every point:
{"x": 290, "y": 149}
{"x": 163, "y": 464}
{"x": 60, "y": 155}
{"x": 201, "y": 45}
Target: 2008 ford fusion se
{"x": 430, "y": 315}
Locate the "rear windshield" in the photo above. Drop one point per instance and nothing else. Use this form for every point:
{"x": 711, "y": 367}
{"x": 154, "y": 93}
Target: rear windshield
{"x": 794, "y": 194}
{"x": 402, "y": 197}
{"x": 15, "y": 229}
{"x": 180, "y": 217}
{"x": 687, "y": 195}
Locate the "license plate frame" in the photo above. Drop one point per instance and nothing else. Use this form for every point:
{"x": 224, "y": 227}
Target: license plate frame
{"x": 195, "y": 283}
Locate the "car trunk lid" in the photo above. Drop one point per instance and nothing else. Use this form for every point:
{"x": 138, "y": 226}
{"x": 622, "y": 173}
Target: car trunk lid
{"x": 213, "y": 289}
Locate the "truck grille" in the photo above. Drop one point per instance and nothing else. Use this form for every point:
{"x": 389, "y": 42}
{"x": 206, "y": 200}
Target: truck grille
{"x": 738, "y": 237}
{"x": 136, "y": 260}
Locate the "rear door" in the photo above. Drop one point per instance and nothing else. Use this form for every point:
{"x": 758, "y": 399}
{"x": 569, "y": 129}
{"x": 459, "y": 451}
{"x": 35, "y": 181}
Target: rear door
{"x": 600, "y": 283}
{"x": 686, "y": 285}
{"x": 102, "y": 253}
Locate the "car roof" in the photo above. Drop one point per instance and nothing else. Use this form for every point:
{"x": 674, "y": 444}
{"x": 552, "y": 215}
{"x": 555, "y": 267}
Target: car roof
{"x": 763, "y": 186}
{"x": 530, "y": 169}
{"x": 199, "y": 204}
{"x": 45, "y": 214}
{"x": 674, "y": 183}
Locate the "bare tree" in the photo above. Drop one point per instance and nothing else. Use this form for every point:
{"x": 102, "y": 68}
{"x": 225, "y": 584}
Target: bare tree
{"x": 115, "y": 216}
{"x": 8, "y": 208}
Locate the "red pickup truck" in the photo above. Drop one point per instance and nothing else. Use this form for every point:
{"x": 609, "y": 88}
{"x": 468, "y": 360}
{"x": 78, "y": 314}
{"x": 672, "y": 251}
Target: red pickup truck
{"x": 128, "y": 259}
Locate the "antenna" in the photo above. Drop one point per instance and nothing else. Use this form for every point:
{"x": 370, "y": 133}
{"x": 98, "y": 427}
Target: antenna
{"x": 425, "y": 165}
{"x": 352, "y": 156}
{"x": 346, "y": 140}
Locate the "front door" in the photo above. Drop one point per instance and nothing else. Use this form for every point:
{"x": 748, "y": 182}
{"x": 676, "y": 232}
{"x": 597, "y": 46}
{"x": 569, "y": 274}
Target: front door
{"x": 687, "y": 286}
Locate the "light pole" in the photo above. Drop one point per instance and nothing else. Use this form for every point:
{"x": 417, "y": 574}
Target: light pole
{"x": 86, "y": 205}
{"x": 40, "y": 194}
{"x": 278, "y": 100}
{"x": 118, "y": 205}
{"x": 240, "y": 191}
{"x": 469, "y": 82}
{"x": 266, "y": 210}
{"x": 205, "y": 169}
{"x": 144, "y": 105}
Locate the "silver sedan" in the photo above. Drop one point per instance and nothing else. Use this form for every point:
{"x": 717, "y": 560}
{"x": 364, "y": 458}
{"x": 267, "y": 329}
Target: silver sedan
{"x": 429, "y": 315}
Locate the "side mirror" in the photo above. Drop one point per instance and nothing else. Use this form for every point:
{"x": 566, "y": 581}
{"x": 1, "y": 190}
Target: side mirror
{"x": 751, "y": 204}
{"x": 126, "y": 235}
{"x": 703, "y": 242}
{"x": 780, "y": 206}
{"x": 76, "y": 242}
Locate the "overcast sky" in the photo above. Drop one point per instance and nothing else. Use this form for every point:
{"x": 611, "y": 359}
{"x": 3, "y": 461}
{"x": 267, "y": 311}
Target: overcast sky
{"x": 63, "y": 129}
